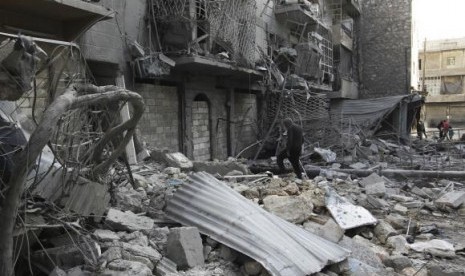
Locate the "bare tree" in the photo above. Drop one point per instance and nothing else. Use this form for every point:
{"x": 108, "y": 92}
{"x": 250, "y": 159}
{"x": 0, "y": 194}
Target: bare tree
{"x": 73, "y": 98}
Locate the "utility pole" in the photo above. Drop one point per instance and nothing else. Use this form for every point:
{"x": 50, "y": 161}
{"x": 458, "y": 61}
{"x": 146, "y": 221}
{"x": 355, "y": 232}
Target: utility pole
{"x": 423, "y": 88}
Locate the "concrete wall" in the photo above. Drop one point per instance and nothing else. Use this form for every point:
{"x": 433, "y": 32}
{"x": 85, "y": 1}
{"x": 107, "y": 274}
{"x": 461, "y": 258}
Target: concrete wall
{"x": 385, "y": 47}
{"x": 106, "y": 41}
{"x": 217, "y": 98}
{"x": 201, "y": 130}
{"x": 159, "y": 125}
{"x": 246, "y": 128}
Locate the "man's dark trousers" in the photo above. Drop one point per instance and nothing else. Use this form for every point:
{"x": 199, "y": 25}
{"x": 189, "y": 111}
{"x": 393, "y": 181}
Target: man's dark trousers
{"x": 294, "y": 158}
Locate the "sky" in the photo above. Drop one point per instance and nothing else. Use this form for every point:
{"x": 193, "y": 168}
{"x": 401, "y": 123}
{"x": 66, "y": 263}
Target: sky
{"x": 440, "y": 19}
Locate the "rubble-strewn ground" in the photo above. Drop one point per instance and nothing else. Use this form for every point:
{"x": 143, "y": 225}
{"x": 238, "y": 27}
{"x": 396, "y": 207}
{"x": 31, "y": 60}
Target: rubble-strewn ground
{"x": 420, "y": 228}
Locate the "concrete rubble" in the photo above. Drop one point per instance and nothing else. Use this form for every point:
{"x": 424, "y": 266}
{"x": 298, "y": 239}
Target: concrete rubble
{"x": 392, "y": 226}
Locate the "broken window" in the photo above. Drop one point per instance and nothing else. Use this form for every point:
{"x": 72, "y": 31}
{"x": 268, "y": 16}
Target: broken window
{"x": 452, "y": 85}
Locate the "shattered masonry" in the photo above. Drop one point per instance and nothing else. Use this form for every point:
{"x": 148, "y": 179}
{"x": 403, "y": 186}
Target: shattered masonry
{"x": 192, "y": 188}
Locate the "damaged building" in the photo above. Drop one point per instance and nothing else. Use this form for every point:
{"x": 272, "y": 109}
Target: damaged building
{"x": 215, "y": 74}
{"x": 159, "y": 121}
{"x": 441, "y": 67}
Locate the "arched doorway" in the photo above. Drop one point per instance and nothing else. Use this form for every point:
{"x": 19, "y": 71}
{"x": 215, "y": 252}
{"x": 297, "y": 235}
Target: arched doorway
{"x": 201, "y": 128}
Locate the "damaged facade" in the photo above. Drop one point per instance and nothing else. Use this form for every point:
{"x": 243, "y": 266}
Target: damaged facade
{"x": 215, "y": 74}
{"x": 217, "y": 77}
{"x": 441, "y": 66}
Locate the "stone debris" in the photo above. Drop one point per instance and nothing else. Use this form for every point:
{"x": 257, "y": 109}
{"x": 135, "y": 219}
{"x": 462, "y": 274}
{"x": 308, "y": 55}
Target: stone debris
{"x": 435, "y": 247}
{"x": 452, "y": 199}
{"x": 295, "y": 209}
{"x": 396, "y": 225}
{"x": 178, "y": 160}
{"x": 383, "y": 231}
{"x": 346, "y": 214}
{"x": 127, "y": 221}
{"x": 184, "y": 247}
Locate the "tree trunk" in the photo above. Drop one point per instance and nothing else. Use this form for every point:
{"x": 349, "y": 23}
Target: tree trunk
{"x": 40, "y": 137}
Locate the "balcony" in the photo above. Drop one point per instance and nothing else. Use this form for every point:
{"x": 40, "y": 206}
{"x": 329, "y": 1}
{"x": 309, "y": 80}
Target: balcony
{"x": 55, "y": 19}
{"x": 297, "y": 14}
{"x": 353, "y": 7}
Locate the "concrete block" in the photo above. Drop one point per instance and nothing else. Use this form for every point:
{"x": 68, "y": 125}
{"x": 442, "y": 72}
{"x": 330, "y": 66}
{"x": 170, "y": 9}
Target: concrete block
{"x": 383, "y": 231}
{"x": 295, "y": 209}
{"x": 141, "y": 251}
{"x": 184, "y": 247}
{"x": 400, "y": 209}
{"x": 330, "y": 230}
{"x": 452, "y": 199}
{"x": 220, "y": 167}
{"x": 361, "y": 252}
{"x": 127, "y": 221}
{"x": 129, "y": 268}
{"x": 371, "y": 179}
{"x": 398, "y": 244}
{"x": 179, "y": 160}
{"x": 398, "y": 262}
{"x": 105, "y": 235}
{"x": 375, "y": 189}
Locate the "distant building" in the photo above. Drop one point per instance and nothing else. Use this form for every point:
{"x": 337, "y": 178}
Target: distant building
{"x": 443, "y": 65}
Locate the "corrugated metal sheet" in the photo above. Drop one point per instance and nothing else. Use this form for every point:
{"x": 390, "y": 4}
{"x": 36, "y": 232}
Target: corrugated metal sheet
{"x": 281, "y": 247}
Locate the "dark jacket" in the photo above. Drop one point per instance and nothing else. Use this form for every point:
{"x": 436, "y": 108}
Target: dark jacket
{"x": 295, "y": 138}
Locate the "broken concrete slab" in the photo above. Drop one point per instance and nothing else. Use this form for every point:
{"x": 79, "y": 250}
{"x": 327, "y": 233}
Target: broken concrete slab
{"x": 435, "y": 247}
{"x": 361, "y": 252}
{"x": 177, "y": 159}
{"x": 398, "y": 262}
{"x": 398, "y": 208}
{"x": 377, "y": 203}
{"x": 140, "y": 251}
{"x": 358, "y": 166}
{"x": 220, "y": 167}
{"x": 452, "y": 199}
{"x": 346, "y": 214}
{"x": 128, "y": 268}
{"x": 398, "y": 244}
{"x": 383, "y": 231}
{"x": 380, "y": 251}
{"x": 295, "y": 209}
{"x": 419, "y": 192}
{"x": 104, "y": 235}
{"x": 184, "y": 247}
{"x": 111, "y": 254}
{"x": 373, "y": 178}
{"x": 127, "y": 198}
{"x": 375, "y": 189}
{"x": 330, "y": 230}
{"x": 400, "y": 198}
{"x": 127, "y": 221}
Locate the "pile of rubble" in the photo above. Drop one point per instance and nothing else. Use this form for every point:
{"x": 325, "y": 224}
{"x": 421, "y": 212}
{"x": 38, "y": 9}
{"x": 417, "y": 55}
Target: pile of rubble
{"x": 389, "y": 226}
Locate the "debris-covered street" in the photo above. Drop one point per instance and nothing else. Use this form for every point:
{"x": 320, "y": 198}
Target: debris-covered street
{"x": 235, "y": 138}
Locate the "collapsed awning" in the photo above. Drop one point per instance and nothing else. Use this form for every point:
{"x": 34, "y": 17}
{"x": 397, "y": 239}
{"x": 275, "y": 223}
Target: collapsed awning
{"x": 283, "y": 248}
{"x": 367, "y": 114}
